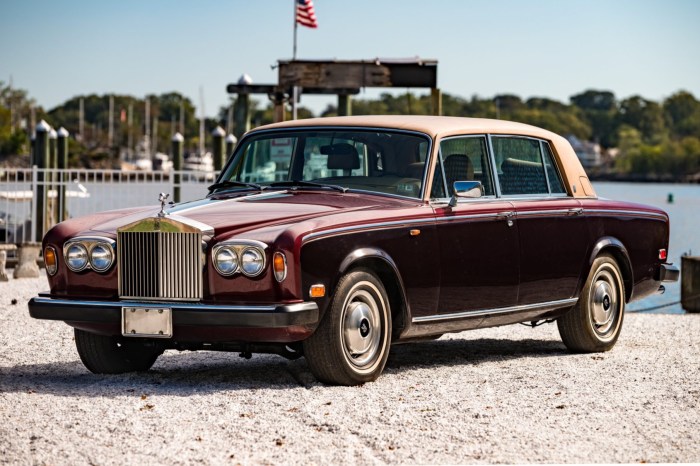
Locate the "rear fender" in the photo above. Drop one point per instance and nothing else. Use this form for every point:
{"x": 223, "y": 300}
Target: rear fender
{"x": 613, "y": 246}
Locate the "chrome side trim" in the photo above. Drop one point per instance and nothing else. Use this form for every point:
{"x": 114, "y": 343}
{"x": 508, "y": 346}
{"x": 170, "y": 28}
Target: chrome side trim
{"x": 502, "y": 310}
{"x": 625, "y": 213}
{"x": 538, "y": 213}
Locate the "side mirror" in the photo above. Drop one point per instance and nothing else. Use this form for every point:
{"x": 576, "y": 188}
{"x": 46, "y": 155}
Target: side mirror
{"x": 466, "y": 189}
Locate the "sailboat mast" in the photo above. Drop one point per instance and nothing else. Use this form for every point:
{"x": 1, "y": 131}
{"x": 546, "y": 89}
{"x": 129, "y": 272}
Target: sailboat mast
{"x": 201, "y": 121}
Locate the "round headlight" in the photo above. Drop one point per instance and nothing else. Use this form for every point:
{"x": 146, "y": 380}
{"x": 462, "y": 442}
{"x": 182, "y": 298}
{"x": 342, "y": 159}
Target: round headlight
{"x": 252, "y": 262}
{"x": 101, "y": 257}
{"x": 226, "y": 261}
{"x": 77, "y": 257}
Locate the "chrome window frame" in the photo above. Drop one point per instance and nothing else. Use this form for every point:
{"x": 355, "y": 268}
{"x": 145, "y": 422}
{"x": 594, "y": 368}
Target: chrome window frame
{"x": 543, "y": 196}
{"x": 498, "y": 195}
{"x": 442, "y": 168}
{"x": 428, "y": 157}
{"x": 544, "y": 144}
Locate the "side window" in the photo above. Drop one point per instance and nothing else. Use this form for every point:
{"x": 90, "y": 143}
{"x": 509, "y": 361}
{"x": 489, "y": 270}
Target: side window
{"x": 520, "y": 168}
{"x": 466, "y": 159}
{"x": 438, "y": 189}
{"x": 555, "y": 184}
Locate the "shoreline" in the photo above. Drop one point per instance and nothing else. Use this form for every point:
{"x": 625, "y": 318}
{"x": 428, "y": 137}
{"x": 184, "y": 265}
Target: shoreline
{"x": 639, "y": 178}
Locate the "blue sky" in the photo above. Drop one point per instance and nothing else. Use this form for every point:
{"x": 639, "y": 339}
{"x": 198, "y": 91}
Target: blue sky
{"x": 549, "y": 48}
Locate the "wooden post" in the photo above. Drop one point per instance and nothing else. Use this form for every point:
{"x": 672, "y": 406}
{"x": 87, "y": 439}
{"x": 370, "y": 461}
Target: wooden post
{"x": 242, "y": 115}
{"x": 436, "y": 101}
{"x": 62, "y": 162}
{"x": 344, "y": 105}
{"x": 690, "y": 283}
{"x": 278, "y": 99}
{"x": 230, "y": 145}
{"x": 177, "y": 155}
{"x": 41, "y": 160}
{"x": 217, "y": 140}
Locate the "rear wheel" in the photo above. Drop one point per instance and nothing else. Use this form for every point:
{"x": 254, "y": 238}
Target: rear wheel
{"x": 114, "y": 355}
{"x": 352, "y": 342}
{"x": 594, "y": 323}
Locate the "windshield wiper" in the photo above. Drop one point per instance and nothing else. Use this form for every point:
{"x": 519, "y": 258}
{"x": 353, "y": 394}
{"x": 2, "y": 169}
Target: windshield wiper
{"x": 231, "y": 183}
{"x": 309, "y": 184}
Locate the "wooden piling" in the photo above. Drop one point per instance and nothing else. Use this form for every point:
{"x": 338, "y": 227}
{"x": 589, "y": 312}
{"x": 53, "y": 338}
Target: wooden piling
{"x": 217, "y": 139}
{"x": 178, "y": 142}
{"x": 62, "y": 163}
{"x": 41, "y": 160}
{"x": 690, "y": 283}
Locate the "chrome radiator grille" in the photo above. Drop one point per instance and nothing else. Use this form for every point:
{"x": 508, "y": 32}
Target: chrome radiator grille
{"x": 160, "y": 265}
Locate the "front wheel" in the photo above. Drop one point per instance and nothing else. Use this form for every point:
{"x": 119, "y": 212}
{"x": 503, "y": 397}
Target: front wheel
{"x": 351, "y": 344}
{"x": 594, "y": 323}
{"x": 113, "y": 355}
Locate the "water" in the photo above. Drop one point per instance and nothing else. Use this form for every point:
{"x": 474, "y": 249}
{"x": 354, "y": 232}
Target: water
{"x": 684, "y": 214}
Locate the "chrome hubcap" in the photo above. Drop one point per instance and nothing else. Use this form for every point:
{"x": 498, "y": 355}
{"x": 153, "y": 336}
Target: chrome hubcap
{"x": 361, "y": 327}
{"x": 602, "y": 303}
{"x": 605, "y": 301}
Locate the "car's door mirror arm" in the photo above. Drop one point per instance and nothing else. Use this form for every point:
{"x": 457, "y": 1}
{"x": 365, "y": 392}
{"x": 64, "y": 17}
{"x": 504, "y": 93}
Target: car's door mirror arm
{"x": 466, "y": 189}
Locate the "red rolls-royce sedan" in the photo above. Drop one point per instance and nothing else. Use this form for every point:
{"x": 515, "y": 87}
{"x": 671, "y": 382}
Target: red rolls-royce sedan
{"x": 333, "y": 238}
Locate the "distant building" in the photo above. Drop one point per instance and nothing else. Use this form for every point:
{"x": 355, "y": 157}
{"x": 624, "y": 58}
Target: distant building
{"x": 588, "y": 152}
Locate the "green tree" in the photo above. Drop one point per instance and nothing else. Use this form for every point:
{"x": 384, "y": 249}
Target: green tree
{"x": 599, "y": 109}
{"x": 646, "y": 116}
{"x": 15, "y": 114}
{"x": 683, "y": 112}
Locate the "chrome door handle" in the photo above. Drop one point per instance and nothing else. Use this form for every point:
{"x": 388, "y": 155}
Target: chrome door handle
{"x": 507, "y": 216}
{"x": 576, "y": 211}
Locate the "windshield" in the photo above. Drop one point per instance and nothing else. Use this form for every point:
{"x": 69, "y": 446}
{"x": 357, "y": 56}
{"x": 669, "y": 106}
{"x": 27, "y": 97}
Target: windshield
{"x": 369, "y": 160}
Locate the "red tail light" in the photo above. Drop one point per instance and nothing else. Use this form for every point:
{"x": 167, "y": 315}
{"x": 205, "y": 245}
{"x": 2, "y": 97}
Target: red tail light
{"x": 662, "y": 254}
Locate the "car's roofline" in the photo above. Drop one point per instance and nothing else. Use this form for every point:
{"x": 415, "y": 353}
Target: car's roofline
{"x": 436, "y": 126}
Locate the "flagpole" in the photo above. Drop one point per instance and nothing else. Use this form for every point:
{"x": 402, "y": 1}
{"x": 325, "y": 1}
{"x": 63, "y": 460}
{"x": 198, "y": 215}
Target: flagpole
{"x": 294, "y": 57}
{"x": 294, "y": 17}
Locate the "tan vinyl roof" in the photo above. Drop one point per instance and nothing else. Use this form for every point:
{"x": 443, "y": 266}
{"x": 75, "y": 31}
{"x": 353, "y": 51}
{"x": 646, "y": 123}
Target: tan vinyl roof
{"x": 432, "y": 125}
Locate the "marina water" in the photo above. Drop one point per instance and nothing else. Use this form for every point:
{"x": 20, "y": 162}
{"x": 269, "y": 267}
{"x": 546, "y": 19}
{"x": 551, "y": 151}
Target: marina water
{"x": 684, "y": 213}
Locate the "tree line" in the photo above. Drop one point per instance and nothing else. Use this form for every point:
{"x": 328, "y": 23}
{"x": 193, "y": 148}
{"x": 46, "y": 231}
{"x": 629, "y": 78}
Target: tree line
{"x": 649, "y": 137}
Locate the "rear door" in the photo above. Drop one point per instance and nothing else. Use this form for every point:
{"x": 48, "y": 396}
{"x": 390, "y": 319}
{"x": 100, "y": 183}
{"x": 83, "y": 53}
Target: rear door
{"x": 553, "y": 234}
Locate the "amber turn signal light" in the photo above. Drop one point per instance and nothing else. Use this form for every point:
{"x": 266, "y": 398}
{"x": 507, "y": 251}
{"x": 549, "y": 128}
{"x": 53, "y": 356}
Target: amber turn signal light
{"x": 50, "y": 260}
{"x": 279, "y": 266}
{"x": 662, "y": 254}
{"x": 317, "y": 291}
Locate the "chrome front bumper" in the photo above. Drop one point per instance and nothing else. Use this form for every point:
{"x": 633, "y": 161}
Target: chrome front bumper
{"x": 183, "y": 314}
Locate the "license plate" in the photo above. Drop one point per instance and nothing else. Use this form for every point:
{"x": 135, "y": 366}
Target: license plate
{"x": 151, "y": 322}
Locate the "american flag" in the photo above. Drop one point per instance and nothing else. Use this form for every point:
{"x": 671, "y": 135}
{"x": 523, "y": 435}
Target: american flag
{"x": 305, "y": 13}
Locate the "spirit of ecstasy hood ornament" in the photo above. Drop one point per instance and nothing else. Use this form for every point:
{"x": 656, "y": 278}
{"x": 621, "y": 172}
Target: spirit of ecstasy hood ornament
{"x": 163, "y": 199}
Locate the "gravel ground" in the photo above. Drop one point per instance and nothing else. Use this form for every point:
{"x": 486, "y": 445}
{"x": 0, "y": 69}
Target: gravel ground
{"x": 510, "y": 394}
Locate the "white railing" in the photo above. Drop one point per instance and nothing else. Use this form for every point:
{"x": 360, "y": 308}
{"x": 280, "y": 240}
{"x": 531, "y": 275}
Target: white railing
{"x": 70, "y": 193}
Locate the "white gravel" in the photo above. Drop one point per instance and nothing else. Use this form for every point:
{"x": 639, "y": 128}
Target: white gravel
{"x": 511, "y": 394}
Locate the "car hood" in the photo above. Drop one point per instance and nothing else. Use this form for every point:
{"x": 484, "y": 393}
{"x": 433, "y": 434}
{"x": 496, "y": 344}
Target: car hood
{"x": 240, "y": 213}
